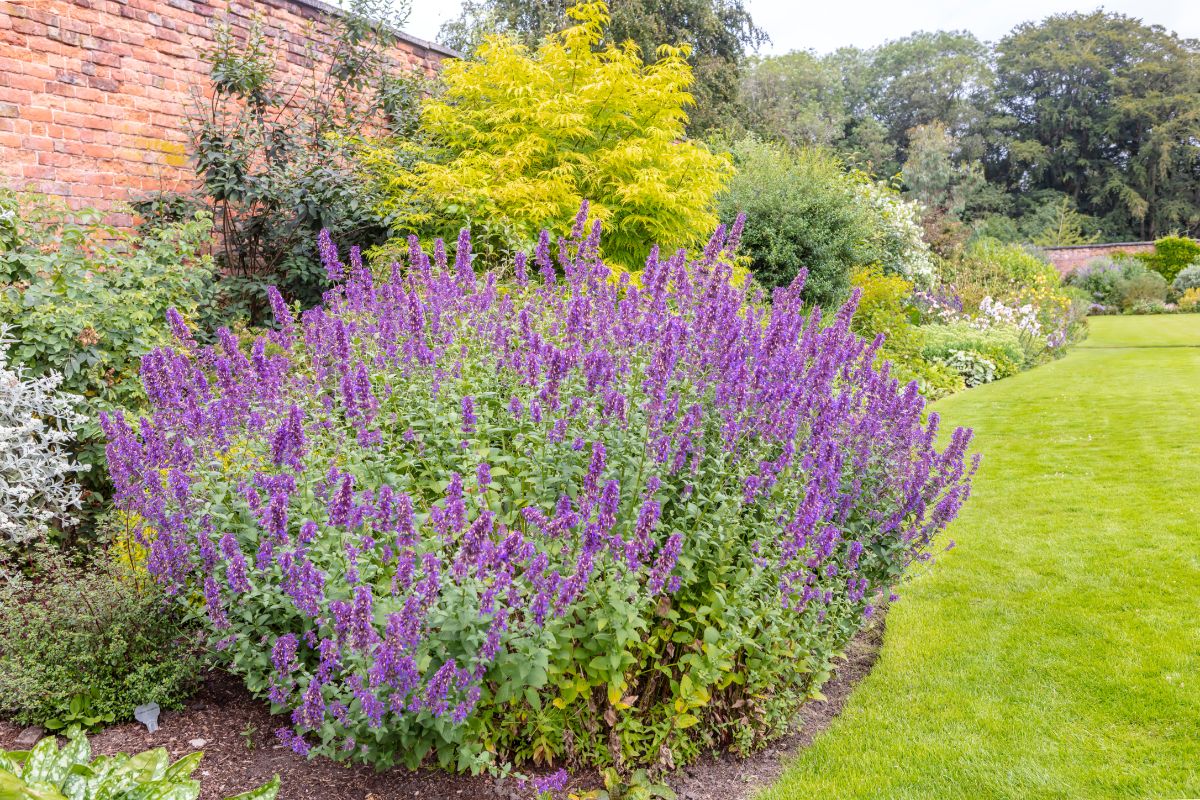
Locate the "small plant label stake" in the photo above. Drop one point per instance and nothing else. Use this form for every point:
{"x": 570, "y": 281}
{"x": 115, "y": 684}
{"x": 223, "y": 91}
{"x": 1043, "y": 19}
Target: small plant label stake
{"x": 148, "y": 716}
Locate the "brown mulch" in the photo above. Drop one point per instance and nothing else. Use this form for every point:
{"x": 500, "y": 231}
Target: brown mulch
{"x": 241, "y": 752}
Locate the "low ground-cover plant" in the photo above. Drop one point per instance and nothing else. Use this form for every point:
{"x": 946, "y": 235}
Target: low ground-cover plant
{"x": 566, "y": 520}
{"x": 86, "y": 641}
{"x": 1000, "y": 346}
{"x": 48, "y": 773}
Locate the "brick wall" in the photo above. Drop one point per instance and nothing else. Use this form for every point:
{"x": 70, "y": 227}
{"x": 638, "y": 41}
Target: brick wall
{"x": 94, "y": 94}
{"x": 1069, "y": 259}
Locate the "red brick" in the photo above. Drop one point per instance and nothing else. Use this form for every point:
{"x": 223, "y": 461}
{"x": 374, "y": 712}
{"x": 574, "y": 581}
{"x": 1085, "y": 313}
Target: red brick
{"x": 96, "y": 93}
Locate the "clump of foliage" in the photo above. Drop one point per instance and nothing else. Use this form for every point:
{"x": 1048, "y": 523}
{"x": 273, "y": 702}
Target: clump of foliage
{"x": 991, "y": 268}
{"x": 804, "y": 214}
{"x": 1122, "y": 284}
{"x": 884, "y": 309}
{"x": 974, "y": 369}
{"x": 37, "y": 474}
{"x": 556, "y": 521}
{"x": 48, "y": 773}
{"x": 270, "y": 148}
{"x": 1000, "y": 347}
{"x": 86, "y": 300}
{"x": 1187, "y": 278}
{"x": 1172, "y": 254}
{"x": 1190, "y": 301}
{"x": 87, "y": 640}
{"x": 1147, "y": 287}
{"x": 519, "y": 138}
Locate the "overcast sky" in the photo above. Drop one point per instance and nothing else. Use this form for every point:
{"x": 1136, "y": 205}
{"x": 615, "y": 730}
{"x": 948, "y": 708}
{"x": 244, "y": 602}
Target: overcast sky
{"x": 828, "y": 25}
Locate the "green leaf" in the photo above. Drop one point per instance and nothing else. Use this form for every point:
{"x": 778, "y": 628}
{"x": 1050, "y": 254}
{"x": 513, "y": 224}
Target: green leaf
{"x": 267, "y": 791}
{"x": 184, "y": 767}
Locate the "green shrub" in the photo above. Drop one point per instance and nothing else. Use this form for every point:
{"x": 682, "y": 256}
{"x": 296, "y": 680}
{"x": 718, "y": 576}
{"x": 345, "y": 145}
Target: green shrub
{"x": 86, "y": 300}
{"x": 88, "y": 639}
{"x": 803, "y": 211}
{"x": 1171, "y": 255}
{"x": 991, "y": 268}
{"x": 1188, "y": 278}
{"x": 1140, "y": 289}
{"x": 519, "y": 139}
{"x": 882, "y": 308}
{"x": 1101, "y": 279}
{"x": 1149, "y": 306}
{"x": 47, "y": 773}
{"x": 1000, "y": 345}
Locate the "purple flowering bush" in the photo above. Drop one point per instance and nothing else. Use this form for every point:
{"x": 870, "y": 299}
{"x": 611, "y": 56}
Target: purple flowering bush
{"x": 561, "y": 519}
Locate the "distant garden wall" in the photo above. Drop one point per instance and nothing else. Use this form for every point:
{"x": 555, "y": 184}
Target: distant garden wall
{"x": 1068, "y": 259}
{"x": 94, "y": 94}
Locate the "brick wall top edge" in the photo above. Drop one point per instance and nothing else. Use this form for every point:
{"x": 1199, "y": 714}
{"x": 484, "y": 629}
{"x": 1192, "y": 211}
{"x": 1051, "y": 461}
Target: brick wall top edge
{"x": 433, "y": 47}
{"x": 1097, "y": 246}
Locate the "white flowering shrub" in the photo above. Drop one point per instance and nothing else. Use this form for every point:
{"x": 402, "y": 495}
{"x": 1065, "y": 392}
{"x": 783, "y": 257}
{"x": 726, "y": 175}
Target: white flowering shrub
{"x": 37, "y": 485}
{"x": 994, "y": 312}
{"x": 902, "y": 238}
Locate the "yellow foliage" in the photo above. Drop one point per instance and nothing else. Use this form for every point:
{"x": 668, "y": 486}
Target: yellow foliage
{"x": 1190, "y": 300}
{"x": 126, "y": 549}
{"x": 520, "y": 138}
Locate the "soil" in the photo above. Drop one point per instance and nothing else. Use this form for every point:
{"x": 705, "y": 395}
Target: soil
{"x": 241, "y": 751}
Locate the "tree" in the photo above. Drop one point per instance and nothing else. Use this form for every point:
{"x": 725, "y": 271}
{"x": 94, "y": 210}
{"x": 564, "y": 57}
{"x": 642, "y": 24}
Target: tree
{"x": 270, "y": 155}
{"x": 946, "y": 186}
{"x": 519, "y": 139}
{"x": 1102, "y": 108}
{"x": 718, "y": 32}
{"x": 798, "y": 98}
{"x": 865, "y": 102}
{"x": 941, "y": 77}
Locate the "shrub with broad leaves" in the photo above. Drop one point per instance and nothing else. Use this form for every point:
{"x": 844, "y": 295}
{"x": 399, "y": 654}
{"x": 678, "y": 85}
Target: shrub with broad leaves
{"x": 566, "y": 520}
{"x": 48, "y": 773}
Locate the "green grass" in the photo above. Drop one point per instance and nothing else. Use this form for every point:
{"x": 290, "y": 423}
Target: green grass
{"x": 1055, "y": 653}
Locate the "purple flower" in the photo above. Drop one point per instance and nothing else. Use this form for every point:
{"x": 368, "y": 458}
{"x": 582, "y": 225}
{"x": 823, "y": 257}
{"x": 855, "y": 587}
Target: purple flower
{"x": 468, "y": 414}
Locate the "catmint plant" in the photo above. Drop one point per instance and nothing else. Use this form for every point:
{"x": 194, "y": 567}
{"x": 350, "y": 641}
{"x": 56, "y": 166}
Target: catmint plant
{"x": 567, "y": 517}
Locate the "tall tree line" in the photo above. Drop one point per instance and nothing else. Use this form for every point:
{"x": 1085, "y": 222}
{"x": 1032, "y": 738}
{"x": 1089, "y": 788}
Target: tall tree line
{"x": 1081, "y": 126}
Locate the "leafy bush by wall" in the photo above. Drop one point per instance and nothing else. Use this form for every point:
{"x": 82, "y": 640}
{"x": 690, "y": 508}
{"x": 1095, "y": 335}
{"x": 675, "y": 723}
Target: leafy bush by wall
{"x": 272, "y": 154}
{"x": 539, "y": 522}
{"x": 1171, "y": 255}
{"x": 518, "y": 139}
{"x": 1188, "y": 278}
{"x": 1146, "y": 287}
{"x": 86, "y": 301}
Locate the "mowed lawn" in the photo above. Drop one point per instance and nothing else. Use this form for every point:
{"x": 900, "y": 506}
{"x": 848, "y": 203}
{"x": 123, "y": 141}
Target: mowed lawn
{"x": 1055, "y": 653}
